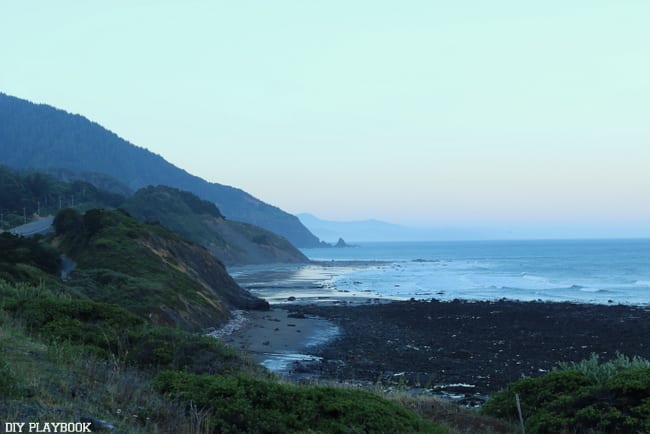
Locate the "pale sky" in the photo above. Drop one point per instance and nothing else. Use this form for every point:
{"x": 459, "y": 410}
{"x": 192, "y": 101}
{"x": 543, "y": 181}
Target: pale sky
{"x": 430, "y": 112}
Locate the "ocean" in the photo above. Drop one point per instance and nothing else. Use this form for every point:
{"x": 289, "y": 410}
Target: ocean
{"x": 585, "y": 271}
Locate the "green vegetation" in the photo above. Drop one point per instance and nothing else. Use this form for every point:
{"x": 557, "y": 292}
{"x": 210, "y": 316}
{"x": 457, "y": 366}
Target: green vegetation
{"x": 600, "y": 372}
{"x": 61, "y": 357}
{"x": 58, "y": 381}
{"x": 588, "y": 396}
{"x": 107, "y": 330}
{"x": 26, "y": 259}
{"x": 150, "y": 202}
{"x": 240, "y": 404}
{"x": 146, "y": 268}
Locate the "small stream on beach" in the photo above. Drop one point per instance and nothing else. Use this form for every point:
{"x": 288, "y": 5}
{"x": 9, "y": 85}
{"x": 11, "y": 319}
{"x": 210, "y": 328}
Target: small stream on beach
{"x": 288, "y": 362}
{"x": 277, "y": 339}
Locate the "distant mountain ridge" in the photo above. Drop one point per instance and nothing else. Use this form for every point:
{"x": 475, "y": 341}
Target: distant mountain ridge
{"x": 375, "y": 230}
{"x": 41, "y": 136}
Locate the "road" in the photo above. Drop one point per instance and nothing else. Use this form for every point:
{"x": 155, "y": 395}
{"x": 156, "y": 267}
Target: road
{"x": 41, "y": 226}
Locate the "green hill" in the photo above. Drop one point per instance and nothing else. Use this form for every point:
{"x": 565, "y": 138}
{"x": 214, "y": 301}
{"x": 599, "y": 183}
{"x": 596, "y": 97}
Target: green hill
{"x": 232, "y": 242}
{"x": 148, "y": 270}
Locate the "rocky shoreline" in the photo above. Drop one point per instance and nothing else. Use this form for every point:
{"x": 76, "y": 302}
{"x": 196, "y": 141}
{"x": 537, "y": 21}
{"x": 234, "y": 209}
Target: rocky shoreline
{"x": 467, "y": 349}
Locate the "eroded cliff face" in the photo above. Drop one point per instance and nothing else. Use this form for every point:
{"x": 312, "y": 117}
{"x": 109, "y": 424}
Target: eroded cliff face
{"x": 198, "y": 263}
{"x": 149, "y": 270}
{"x": 245, "y": 244}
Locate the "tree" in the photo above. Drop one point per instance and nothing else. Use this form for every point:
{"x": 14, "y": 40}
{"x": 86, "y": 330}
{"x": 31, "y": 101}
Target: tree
{"x": 68, "y": 221}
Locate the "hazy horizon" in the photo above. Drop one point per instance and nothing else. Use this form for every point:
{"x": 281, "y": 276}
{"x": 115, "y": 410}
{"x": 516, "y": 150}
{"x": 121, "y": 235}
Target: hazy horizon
{"x": 472, "y": 114}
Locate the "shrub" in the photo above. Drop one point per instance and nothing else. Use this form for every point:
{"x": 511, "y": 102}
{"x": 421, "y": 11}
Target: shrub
{"x": 68, "y": 221}
{"x": 590, "y": 397}
{"x": 245, "y": 405}
{"x": 104, "y": 327}
{"x": 9, "y": 387}
{"x": 30, "y": 251}
{"x": 600, "y": 372}
{"x": 170, "y": 348}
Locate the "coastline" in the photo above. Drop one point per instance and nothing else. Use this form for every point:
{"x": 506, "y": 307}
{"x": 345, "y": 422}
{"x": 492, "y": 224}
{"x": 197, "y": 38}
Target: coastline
{"x": 461, "y": 350}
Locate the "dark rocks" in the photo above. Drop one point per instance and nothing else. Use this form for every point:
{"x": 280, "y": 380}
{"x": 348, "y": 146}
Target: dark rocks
{"x": 482, "y": 344}
{"x": 341, "y": 243}
{"x": 462, "y": 354}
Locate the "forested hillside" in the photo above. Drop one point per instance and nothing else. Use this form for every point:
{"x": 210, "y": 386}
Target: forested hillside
{"x": 40, "y": 136}
{"x": 25, "y": 194}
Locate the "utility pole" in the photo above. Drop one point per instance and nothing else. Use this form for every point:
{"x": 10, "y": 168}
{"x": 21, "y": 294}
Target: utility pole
{"x": 24, "y": 216}
{"x": 59, "y": 202}
{"x": 38, "y": 209}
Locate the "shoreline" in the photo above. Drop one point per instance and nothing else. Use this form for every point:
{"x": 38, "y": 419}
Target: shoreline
{"x": 462, "y": 350}
{"x": 316, "y": 282}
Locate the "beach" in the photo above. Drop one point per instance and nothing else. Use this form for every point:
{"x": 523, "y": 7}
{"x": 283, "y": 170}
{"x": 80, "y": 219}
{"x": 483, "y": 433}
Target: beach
{"x": 461, "y": 320}
{"x": 459, "y": 349}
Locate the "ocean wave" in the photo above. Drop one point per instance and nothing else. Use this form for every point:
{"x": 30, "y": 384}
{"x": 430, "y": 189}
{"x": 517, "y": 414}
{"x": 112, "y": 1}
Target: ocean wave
{"x": 594, "y": 290}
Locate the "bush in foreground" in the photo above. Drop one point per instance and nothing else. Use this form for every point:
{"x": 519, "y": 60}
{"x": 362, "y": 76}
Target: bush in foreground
{"x": 586, "y": 397}
{"x": 239, "y": 404}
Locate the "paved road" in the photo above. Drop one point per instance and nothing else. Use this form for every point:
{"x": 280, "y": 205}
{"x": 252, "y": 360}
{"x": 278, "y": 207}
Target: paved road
{"x": 42, "y": 226}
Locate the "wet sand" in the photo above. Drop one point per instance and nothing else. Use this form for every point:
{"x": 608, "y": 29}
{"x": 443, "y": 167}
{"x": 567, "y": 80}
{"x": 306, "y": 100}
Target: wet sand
{"x": 278, "y": 338}
{"x": 311, "y": 283}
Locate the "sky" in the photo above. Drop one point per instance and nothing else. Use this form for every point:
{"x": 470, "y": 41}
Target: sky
{"x": 431, "y": 113}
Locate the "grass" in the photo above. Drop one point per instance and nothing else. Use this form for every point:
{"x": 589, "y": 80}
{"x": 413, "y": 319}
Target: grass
{"x": 59, "y": 381}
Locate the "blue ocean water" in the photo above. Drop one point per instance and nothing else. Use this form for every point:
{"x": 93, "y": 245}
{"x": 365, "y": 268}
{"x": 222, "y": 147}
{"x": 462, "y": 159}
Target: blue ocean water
{"x": 590, "y": 271}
